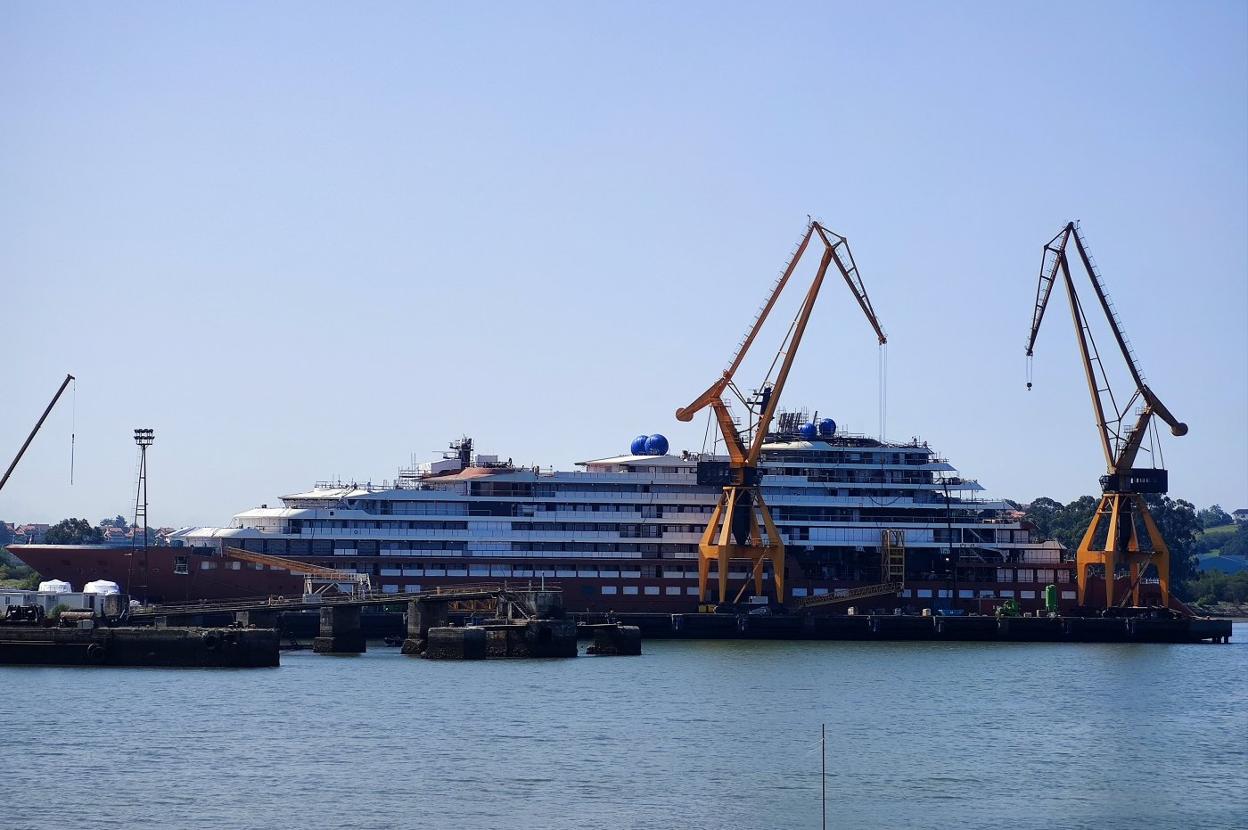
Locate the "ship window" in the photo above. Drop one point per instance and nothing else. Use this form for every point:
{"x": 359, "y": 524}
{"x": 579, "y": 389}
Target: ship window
{"x": 181, "y": 565}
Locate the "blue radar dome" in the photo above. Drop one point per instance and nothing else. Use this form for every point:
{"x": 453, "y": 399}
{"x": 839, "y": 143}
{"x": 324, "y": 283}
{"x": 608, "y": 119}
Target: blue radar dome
{"x": 827, "y": 428}
{"x": 638, "y": 447}
{"x": 656, "y": 445}
{"x": 807, "y": 431}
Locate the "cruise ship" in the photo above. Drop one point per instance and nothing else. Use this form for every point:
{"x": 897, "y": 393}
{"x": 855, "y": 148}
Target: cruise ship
{"x": 618, "y": 533}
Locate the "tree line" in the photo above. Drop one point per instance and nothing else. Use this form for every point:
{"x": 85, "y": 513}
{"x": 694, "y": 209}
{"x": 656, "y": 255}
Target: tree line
{"x": 1178, "y": 520}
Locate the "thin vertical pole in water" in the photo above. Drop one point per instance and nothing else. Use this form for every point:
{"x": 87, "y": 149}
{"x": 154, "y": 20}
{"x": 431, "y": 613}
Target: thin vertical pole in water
{"x": 823, "y": 771}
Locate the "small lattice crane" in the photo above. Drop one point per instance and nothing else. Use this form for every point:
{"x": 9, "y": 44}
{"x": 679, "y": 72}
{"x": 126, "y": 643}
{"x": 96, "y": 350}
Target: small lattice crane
{"x": 60, "y": 391}
{"x": 741, "y": 526}
{"x": 1114, "y": 535}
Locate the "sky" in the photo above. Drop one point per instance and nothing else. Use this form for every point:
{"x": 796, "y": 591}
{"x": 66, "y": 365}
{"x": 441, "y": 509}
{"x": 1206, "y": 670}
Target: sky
{"x": 311, "y": 240}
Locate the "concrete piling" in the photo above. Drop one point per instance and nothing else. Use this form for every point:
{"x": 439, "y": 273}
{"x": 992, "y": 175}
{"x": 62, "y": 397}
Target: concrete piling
{"x": 340, "y": 631}
{"x": 257, "y": 618}
{"x": 503, "y": 640}
{"x": 615, "y": 639}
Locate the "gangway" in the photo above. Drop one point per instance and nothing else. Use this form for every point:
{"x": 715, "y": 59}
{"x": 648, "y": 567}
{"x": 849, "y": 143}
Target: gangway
{"x": 316, "y": 578}
{"x": 892, "y": 572}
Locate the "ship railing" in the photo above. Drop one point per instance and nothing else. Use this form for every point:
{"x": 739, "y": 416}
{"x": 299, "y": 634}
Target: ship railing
{"x": 502, "y": 534}
{"x": 666, "y": 478}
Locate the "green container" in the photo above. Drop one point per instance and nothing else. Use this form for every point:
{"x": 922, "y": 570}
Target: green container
{"x": 1050, "y": 598}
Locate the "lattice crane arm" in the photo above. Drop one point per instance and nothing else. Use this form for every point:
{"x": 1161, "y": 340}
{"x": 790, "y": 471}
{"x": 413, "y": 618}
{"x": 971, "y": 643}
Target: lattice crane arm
{"x": 716, "y": 390}
{"x": 1054, "y": 253}
{"x": 1120, "y": 451}
{"x": 68, "y": 379}
{"x": 836, "y": 251}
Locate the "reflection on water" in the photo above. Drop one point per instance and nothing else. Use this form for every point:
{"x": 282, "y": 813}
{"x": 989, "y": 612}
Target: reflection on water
{"x": 715, "y": 735}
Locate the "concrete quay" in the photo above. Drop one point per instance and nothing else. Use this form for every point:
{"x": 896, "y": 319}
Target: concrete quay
{"x": 171, "y": 647}
{"x": 898, "y": 627}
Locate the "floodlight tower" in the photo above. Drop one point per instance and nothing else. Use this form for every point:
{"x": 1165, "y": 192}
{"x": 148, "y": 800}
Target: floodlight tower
{"x": 144, "y": 437}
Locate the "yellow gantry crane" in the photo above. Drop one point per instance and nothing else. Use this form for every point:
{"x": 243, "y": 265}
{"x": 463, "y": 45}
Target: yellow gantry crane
{"x": 741, "y": 526}
{"x": 1115, "y": 531}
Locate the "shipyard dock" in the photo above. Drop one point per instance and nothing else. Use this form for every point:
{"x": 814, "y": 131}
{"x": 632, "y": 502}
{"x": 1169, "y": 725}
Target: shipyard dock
{"x": 895, "y": 627}
{"x": 147, "y": 647}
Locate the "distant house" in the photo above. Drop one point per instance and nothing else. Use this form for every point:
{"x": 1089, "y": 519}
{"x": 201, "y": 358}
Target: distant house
{"x": 115, "y": 536}
{"x": 30, "y": 534}
{"x": 1240, "y": 516}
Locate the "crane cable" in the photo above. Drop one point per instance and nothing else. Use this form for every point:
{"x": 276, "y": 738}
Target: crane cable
{"x": 883, "y": 388}
{"x": 883, "y": 413}
{"x": 73, "y": 431}
{"x": 1159, "y": 458}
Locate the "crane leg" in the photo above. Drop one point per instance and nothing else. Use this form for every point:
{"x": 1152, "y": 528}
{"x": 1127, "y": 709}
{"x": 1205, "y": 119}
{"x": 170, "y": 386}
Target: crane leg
{"x": 1111, "y": 549}
{"x": 722, "y": 564}
{"x": 706, "y": 548}
{"x": 1161, "y": 553}
{"x": 704, "y": 568}
{"x": 1086, "y": 555}
{"x": 776, "y": 546}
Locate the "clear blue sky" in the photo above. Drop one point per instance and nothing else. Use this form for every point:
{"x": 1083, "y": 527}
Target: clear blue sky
{"x": 306, "y": 239}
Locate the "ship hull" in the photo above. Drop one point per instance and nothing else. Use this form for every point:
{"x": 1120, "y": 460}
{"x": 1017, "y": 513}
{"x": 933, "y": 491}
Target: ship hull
{"x": 162, "y": 574}
{"x": 178, "y": 574}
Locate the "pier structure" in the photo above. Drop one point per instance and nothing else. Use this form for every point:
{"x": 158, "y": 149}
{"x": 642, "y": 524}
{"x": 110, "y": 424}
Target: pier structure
{"x": 340, "y": 630}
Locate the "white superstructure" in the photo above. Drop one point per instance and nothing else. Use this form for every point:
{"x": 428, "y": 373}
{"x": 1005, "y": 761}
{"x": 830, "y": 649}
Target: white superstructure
{"x": 473, "y": 515}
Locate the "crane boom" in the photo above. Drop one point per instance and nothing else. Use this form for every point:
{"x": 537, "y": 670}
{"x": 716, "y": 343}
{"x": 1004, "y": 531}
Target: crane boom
{"x": 741, "y": 525}
{"x": 35, "y": 431}
{"x": 1120, "y": 447}
{"x": 1114, "y": 534}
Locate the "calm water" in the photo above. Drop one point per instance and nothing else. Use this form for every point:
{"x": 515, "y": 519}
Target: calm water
{"x": 715, "y": 735}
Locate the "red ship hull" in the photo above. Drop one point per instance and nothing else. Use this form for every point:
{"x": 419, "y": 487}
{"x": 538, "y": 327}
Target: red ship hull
{"x": 162, "y": 574}
{"x": 176, "y": 574}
